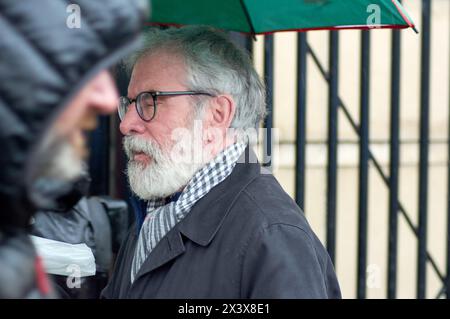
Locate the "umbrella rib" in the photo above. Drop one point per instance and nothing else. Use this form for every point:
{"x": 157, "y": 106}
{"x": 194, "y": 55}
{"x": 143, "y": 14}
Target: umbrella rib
{"x": 405, "y": 18}
{"x": 249, "y": 19}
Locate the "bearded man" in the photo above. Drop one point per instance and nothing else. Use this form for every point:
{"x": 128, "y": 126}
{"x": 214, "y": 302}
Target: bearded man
{"x": 211, "y": 223}
{"x": 54, "y": 81}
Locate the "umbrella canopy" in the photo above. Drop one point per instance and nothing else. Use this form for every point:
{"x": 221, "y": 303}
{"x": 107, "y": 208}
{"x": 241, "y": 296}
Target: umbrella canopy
{"x": 267, "y": 16}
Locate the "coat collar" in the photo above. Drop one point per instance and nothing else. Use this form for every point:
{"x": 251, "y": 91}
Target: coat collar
{"x": 207, "y": 215}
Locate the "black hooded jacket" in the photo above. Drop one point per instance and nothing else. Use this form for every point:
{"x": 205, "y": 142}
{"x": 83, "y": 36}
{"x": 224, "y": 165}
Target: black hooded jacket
{"x": 44, "y": 62}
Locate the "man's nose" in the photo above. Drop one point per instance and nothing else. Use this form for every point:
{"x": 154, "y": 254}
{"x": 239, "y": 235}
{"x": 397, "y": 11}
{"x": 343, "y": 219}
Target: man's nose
{"x": 131, "y": 122}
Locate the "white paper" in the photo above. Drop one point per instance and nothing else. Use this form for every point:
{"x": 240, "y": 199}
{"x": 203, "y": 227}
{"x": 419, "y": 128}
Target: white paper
{"x": 65, "y": 259}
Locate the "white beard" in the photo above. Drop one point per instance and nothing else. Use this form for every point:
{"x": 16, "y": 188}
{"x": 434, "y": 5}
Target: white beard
{"x": 167, "y": 172}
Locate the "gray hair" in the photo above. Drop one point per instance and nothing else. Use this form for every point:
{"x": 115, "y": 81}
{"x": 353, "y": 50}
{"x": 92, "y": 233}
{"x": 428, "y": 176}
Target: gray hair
{"x": 214, "y": 65}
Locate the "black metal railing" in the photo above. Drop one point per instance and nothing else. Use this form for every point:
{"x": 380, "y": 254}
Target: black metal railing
{"x": 363, "y": 163}
{"x": 335, "y": 104}
{"x": 424, "y": 141}
{"x": 362, "y": 129}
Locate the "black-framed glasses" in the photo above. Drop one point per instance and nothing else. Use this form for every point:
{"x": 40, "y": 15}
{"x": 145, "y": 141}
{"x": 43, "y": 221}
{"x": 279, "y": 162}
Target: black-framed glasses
{"x": 146, "y": 102}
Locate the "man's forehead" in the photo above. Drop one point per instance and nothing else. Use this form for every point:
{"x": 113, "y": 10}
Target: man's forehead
{"x": 139, "y": 83}
{"x": 156, "y": 72}
{"x": 159, "y": 59}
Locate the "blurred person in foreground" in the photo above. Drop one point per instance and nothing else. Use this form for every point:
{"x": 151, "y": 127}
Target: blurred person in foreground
{"x": 211, "y": 222}
{"x": 53, "y": 84}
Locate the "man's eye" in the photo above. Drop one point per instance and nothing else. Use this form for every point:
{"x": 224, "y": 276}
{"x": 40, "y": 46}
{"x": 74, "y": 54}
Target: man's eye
{"x": 147, "y": 101}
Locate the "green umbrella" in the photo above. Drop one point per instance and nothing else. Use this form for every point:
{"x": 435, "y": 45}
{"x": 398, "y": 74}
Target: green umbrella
{"x": 267, "y": 16}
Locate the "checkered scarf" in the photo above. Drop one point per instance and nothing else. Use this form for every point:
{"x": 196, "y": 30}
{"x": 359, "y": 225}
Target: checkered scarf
{"x": 162, "y": 217}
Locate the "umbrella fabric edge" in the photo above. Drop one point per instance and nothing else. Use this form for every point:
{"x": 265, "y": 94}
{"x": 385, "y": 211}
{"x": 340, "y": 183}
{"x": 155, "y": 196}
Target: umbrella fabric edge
{"x": 329, "y": 28}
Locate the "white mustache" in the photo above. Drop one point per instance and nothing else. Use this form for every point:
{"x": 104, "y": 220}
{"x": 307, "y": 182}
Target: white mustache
{"x": 134, "y": 144}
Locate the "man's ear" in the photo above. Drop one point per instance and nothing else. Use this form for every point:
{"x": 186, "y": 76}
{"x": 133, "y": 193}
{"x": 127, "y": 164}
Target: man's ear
{"x": 222, "y": 110}
{"x": 219, "y": 115}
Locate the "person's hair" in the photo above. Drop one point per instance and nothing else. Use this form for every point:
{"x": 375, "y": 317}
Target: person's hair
{"x": 214, "y": 65}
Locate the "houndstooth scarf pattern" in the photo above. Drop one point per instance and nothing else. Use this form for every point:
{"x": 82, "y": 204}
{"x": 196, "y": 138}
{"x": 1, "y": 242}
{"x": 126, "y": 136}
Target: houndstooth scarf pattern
{"x": 162, "y": 217}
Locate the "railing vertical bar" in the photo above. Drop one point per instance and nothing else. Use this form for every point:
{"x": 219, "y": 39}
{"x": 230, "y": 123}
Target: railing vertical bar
{"x": 268, "y": 76}
{"x": 423, "y": 154}
{"x": 363, "y": 163}
{"x": 249, "y": 45}
{"x": 300, "y": 163}
{"x": 333, "y": 104}
{"x": 394, "y": 165}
